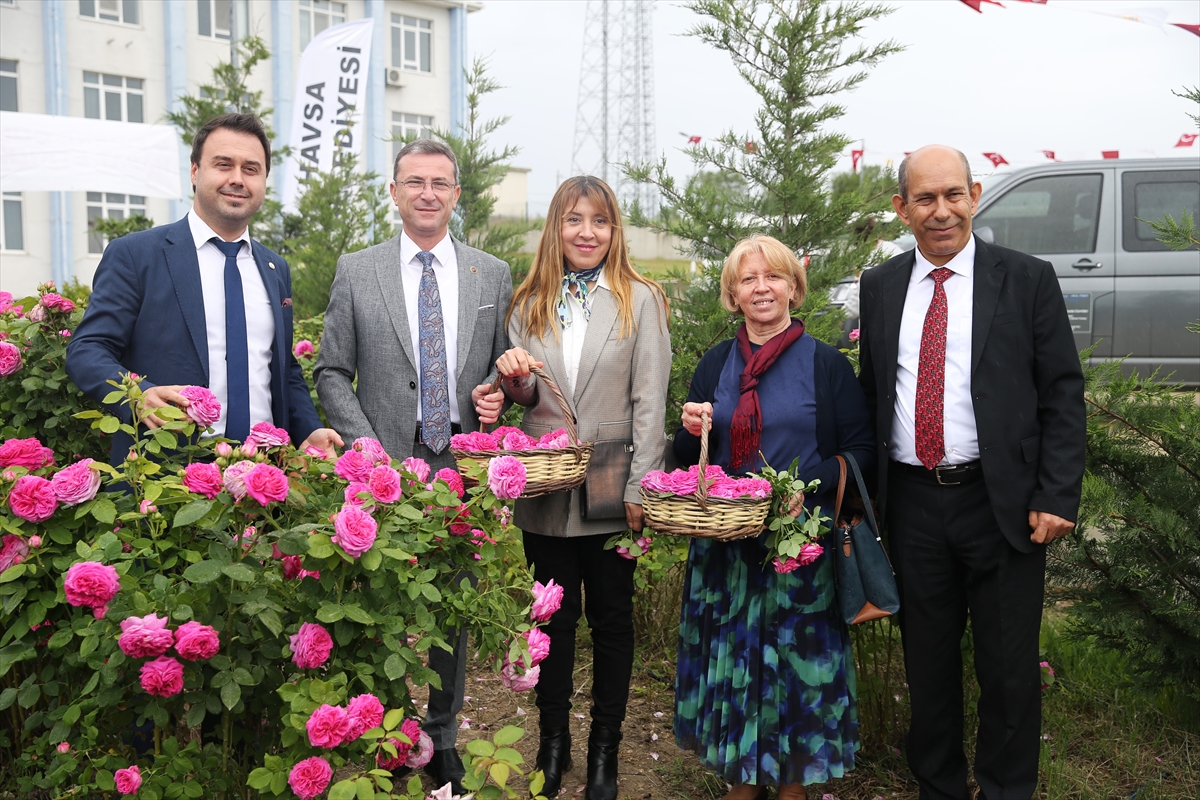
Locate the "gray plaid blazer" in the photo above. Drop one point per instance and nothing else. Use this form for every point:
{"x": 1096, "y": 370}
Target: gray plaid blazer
{"x": 367, "y": 337}
{"x": 620, "y": 393}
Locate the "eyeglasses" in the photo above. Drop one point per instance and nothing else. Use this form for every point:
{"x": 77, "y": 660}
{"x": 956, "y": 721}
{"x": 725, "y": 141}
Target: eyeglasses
{"x": 416, "y": 186}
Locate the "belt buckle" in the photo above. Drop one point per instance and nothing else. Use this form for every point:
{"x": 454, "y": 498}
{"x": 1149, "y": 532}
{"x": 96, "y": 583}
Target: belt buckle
{"x": 937, "y": 471}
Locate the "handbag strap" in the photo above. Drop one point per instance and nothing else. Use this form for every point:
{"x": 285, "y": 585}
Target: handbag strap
{"x": 862, "y": 492}
{"x": 841, "y": 488}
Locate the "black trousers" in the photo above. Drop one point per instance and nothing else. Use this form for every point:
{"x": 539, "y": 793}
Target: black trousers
{"x": 582, "y": 561}
{"x": 952, "y": 560}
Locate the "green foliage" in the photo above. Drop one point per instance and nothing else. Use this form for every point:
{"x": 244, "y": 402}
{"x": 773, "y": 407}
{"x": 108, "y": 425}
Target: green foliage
{"x": 309, "y": 329}
{"x": 1181, "y": 235}
{"x": 1192, "y": 94}
{"x": 116, "y": 228}
{"x": 39, "y": 399}
{"x": 799, "y": 58}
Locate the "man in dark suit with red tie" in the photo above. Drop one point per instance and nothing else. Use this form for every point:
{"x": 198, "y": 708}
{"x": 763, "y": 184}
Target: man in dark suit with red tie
{"x": 970, "y": 368}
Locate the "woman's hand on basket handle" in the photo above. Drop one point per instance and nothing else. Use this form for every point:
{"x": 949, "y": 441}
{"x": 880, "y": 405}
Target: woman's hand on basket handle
{"x": 515, "y": 363}
{"x": 635, "y": 517}
{"x": 691, "y": 416}
{"x": 487, "y": 406}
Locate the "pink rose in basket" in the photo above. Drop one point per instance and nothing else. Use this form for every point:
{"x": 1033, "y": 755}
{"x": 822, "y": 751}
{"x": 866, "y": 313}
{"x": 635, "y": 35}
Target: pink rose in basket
{"x": 203, "y": 407}
{"x": 203, "y": 479}
{"x": 657, "y": 481}
{"x": 504, "y": 430}
{"x": 506, "y": 477}
{"x": 474, "y": 441}
{"x": 518, "y": 440}
{"x": 554, "y": 440}
{"x": 145, "y": 637}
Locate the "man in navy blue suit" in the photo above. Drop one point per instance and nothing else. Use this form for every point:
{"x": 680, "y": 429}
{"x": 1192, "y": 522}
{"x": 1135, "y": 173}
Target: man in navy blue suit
{"x": 198, "y": 303}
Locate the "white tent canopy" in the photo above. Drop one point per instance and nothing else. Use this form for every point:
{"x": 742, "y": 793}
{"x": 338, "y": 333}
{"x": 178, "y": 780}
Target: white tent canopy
{"x": 45, "y": 153}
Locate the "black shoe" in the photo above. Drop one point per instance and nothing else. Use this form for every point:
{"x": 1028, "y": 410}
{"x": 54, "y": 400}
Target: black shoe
{"x": 446, "y": 767}
{"x": 602, "y": 763}
{"x": 554, "y": 757}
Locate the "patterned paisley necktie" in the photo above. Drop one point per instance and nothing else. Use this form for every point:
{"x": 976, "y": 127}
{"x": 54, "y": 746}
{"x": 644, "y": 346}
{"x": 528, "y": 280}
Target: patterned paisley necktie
{"x": 435, "y": 384}
{"x": 931, "y": 376}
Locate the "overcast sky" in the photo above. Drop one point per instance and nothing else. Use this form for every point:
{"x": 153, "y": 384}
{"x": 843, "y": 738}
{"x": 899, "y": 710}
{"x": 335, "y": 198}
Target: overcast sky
{"x": 1014, "y": 80}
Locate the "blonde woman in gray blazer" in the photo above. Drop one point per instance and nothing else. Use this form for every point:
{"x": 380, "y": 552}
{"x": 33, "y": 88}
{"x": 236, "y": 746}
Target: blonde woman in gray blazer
{"x": 587, "y": 318}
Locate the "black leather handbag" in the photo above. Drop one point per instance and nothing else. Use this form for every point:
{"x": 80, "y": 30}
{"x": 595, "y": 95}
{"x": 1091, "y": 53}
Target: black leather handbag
{"x": 602, "y": 495}
{"x": 866, "y": 584}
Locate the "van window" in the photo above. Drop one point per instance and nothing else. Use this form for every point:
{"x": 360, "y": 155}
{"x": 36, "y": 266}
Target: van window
{"x": 1054, "y": 214}
{"x": 1149, "y": 196}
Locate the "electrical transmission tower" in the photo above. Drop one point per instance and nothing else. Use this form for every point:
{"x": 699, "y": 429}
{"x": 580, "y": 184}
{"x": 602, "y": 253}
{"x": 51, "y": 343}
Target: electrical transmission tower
{"x": 614, "y": 119}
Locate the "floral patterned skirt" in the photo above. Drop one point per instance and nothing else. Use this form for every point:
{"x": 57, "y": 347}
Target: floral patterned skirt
{"x": 764, "y": 687}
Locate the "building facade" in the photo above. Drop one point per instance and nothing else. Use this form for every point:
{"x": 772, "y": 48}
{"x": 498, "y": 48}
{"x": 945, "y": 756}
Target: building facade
{"x": 132, "y": 61}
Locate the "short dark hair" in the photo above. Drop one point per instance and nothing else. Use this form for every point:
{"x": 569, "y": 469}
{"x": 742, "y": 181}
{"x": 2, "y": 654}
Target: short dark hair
{"x": 242, "y": 123}
{"x": 427, "y": 147}
{"x": 902, "y": 175}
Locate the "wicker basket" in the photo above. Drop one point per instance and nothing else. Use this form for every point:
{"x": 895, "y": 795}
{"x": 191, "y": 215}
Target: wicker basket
{"x": 546, "y": 471}
{"x": 701, "y": 516}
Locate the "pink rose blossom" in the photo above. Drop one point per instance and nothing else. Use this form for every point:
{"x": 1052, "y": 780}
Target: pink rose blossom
{"x": 518, "y": 440}
{"x": 6, "y": 301}
{"x": 1047, "y": 674}
{"x": 249, "y": 448}
{"x": 315, "y": 574}
{"x": 411, "y": 731}
{"x": 854, "y": 334}
{"x": 555, "y": 440}
{"x": 315, "y": 452}
{"x": 162, "y": 677}
{"x": 64, "y": 747}
{"x": 57, "y": 302}
{"x": 32, "y": 498}
{"x": 354, "y": 466}
{"x": 355, "y": 531}
{"x": 310, "y": 777}
{"x": 385, "y": 484}
{"x": 266, "y": 483}
{"x": 452, "y": 479}
{"x": 66, "y": 334}
{"x": 146, "y": 507}
{"x": 145, "y": 637}
{"x": 28, "y": 453}
{"x": 416, "y": 466}
{"x": 475, "y": 441}
{"x": 643, "y": 542}
{"x": 303, "y": 349}
{"x": 203, "y": 479}
{"x": 35, "y": 541}
{"x": 77, "y": 483}
{"x": 13, "y": 550}
{"x": 129, "y": 780}
{"x": 504, "y": 515}
{"x": 506, "y": 477}
{"x": 100, "y": 611}
{"x": 266, "y": 435}
{"x": 311, "y": 646}
{"x": 10, "y": 359}
{"x": 511, "y": 675}
{"x": 196, "y": 642}
{"x": 808, "y": 554}
{"x": 546, "y": 600}
{"x": 203, "y": 407}
{"x": 328, "y": 727}
{"x": 372, "y": 449}
{"x": 365, "y": 712}
{"x": 90, "y": 583}
{"x": 234, "y": 478}
{"x": 422, "y": 751}
{"x": 353, "y": 490}
{"x": 539, "y": 645}
{"x": 292, "y": 566}
{"x": 224, "y": 449}
{"x": 37, "y": 313}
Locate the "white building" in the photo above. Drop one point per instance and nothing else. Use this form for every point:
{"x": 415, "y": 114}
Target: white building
{"x": 131, "y": 60}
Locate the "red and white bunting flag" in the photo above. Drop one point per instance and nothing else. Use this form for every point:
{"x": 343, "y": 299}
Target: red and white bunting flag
{"x": 1110, "y": 153}
{"x": 693, "y": 140}
{"x": 1189, "y": 28}
{"x": 1187, "y": 139}
{"x": 975, "y": 4}
{"x": 855, "y": 157}
{"x": 995, "y": 158}
{"x": 1048, "y": 153}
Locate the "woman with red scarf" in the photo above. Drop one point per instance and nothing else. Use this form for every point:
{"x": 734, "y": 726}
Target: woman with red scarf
{"x": 764, "y": 688}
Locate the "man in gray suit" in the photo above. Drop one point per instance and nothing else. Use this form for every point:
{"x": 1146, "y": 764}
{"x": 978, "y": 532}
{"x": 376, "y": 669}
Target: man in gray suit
{"x": 420, "y": 321}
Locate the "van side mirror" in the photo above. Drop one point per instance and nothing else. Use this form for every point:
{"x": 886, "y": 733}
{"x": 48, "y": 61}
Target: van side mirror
{"x": 986, "y": 234}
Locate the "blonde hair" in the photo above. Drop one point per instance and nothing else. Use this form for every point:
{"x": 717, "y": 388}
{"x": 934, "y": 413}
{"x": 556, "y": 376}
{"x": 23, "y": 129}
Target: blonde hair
{"x": 535, "y": 301}
{"x": 780, "y": 260}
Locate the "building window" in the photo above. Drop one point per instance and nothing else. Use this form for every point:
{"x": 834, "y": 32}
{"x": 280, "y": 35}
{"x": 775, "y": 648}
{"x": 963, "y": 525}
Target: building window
{"x": 102, "y": 205}
{"x": 112, "y": 97}
{"x": 412, "y": 41}
{"x": 12, "y": 235}
{"x": 214, "y": 18}
{"x": 408, "y": 126}
{"x": 8, "y": 85}
{"x": 316, "y": 16}
{"x": 112, "y": 10}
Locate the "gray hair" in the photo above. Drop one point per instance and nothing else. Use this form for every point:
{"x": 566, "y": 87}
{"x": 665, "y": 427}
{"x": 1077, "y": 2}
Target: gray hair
{"x": 902, "y": 176}
{"x": 425, "y": 147}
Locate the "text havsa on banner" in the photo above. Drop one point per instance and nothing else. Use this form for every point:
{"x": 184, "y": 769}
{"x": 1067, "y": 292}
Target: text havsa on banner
{"x": 330, "y": 104}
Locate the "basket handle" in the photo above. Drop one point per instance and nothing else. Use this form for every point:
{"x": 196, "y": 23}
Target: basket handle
{"x": 568, "y": 417}
{"x": 701, "y": 478}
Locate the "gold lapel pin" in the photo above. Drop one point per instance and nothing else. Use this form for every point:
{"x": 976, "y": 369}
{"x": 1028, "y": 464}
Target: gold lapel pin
{"x": 473, "y": 270}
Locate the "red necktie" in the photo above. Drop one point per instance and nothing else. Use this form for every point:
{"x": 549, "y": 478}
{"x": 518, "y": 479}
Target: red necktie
{"x": 931, "y": 376}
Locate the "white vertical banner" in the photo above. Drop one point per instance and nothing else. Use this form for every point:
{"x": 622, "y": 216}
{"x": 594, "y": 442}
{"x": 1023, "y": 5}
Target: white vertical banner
{"x": 329, "y": 110}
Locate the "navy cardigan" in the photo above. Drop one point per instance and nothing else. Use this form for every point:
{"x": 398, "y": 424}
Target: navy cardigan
{"x": 843, "y": 419}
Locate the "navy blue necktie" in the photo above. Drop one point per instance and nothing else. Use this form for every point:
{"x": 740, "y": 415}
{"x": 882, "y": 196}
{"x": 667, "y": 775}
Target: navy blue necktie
{"x": 237, "y": 358}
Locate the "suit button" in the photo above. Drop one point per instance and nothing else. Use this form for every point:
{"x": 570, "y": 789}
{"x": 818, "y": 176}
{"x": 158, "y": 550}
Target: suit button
{"x": 412, "y": 384}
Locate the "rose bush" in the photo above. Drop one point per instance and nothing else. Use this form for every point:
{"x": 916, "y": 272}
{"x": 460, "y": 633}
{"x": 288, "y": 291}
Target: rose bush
{"x": 189, "y": 627}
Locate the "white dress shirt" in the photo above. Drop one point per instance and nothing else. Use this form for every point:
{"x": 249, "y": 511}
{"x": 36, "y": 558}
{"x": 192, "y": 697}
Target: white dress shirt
{"x": 958, "y": 414}
{"x": 445, "y": 269}
{"x": 573, "y": 334}
{"x": 260, "y": 321}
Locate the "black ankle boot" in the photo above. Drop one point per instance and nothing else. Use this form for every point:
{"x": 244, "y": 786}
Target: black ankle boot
{"x": 554, "y": 757}
{"x": 602, "y": 763}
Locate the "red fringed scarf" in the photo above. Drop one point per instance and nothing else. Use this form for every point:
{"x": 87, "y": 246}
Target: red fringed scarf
{"x": 746, "y": 429}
